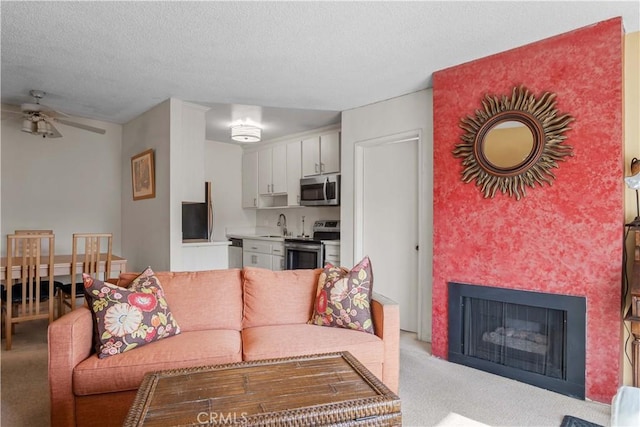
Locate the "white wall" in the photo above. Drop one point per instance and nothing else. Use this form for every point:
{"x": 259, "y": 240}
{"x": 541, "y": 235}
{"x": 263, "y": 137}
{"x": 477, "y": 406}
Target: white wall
{"x": 223, "y": 167}
{"x": 405, "y": 113}
{"x": 70, "y": 184}
{"x": 146, "y": 223}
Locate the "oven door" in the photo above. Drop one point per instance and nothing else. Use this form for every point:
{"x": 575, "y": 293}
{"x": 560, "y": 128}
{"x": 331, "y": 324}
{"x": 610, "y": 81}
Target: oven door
{"x": 303, "y": 255}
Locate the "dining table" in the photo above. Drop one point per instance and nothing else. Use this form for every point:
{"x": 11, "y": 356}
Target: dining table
{"x": 62, "y": 266}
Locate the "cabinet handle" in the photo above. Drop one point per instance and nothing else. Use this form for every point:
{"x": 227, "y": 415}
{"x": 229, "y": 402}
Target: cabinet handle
{"x": 254, "y": 248}
{"x": 317, "y": 168}
{"x": 255, "y": 204}
{"x": 298, "y": 199}
{"x": 321, "y": 167}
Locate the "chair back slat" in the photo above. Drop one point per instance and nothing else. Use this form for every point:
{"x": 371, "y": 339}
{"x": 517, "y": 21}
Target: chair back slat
{"x": 33, "y": 231}
{"x": 87, "y": 250}
{"x": 25, "y": 251}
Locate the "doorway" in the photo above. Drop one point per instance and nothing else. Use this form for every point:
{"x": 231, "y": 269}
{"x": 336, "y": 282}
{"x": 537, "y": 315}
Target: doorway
{"x": 387, "y": 221}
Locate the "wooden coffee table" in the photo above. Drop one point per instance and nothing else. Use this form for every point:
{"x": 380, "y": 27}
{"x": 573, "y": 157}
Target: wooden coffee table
{"x": 316, "y": 390}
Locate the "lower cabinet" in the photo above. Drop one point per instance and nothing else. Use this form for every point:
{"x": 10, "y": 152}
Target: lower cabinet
{"x": 277, "y": 262}
{"x": 332, "y": 254}
{"x": 255, "y": 259}
{"x": 263, "y": 254}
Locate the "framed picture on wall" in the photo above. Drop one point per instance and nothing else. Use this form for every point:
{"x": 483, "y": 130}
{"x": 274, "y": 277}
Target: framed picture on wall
{"x": 143, "y": 180}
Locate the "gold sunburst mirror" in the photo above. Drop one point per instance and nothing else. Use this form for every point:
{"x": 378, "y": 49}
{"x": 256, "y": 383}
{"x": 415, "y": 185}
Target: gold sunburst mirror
{"x": 513, "y": 142}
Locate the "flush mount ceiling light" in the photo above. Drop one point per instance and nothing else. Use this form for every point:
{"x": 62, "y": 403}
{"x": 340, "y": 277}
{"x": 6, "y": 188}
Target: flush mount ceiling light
{"x": 244, "y": 132}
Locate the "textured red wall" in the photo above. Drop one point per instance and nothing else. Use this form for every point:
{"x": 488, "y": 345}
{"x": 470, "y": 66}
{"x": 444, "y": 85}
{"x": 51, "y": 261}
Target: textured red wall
{"x": 565, "y": 238}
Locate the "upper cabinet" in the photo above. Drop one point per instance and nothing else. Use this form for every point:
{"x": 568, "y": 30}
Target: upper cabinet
{"x": 321, "y": 154}
{"x": 250, "y": 179}
{"x": 271, "y": 175}
{"x": 192, "y": 147}
{"x": 272, "y": 170}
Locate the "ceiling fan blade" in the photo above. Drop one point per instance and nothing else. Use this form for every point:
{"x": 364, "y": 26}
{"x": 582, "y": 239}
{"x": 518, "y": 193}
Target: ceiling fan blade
{"x": 53, "y": 132}
{"x": 49, "y": 110}
{"x": 11, "y": 109}
{"x": 80, "y": 126}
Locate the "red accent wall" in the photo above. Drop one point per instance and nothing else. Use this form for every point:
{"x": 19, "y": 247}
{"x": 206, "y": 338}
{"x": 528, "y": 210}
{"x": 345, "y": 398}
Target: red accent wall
{"x": 565, "y": 238}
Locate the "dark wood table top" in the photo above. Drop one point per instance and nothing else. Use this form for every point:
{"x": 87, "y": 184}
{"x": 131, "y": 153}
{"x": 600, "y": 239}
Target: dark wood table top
{"x": 308, "y": 390}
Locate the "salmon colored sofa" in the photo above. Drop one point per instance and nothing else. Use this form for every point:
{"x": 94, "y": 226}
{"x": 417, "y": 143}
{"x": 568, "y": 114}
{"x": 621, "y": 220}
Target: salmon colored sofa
{"x": 225, "y": 316}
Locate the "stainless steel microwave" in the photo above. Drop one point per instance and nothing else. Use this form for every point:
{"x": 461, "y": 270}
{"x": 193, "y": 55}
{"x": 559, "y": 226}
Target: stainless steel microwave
{"x": 321, "y": 190}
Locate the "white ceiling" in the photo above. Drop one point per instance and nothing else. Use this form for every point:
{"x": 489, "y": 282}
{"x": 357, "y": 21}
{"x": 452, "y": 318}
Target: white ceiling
{"x": 296, "y": 64}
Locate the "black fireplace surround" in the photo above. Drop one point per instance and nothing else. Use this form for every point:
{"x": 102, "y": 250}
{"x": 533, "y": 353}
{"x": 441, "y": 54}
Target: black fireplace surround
{"x": 537, "y": 338}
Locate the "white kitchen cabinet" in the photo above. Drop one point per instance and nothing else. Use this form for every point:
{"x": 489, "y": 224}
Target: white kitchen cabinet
{"x": 254, "y": 259}
{"x": 332, "y": 253}
{"x": 294, "y": 173}
{"x": 250, "y": 179}
{"x": 321, "y": 154}
{"x": 277, "y": 256}
{"x": 192, "y": 135}
{"x": 277, "y": 263}
{"x": 263, "y": 254}
{"x": 272, "y": 170}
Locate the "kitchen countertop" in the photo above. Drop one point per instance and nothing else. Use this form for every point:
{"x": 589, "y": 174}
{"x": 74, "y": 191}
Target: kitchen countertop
{"x": 270, "y": 238}
{"x": 210, "y": 243}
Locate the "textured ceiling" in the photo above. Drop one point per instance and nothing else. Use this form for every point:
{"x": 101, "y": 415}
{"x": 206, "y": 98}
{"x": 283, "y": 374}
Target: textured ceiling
{"x": 112, "y": 61}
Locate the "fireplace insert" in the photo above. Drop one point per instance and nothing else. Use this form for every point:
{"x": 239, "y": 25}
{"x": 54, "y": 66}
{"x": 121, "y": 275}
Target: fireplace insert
{"x": 536, "y": 338}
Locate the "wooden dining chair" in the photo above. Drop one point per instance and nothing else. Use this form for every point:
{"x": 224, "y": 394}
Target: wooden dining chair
{"x": 93, "y": 251}
{"x": 33, "y": 231}
{"x": 25, "y": 301}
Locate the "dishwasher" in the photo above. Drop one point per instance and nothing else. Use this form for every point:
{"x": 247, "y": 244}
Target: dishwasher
{"x": 235, "y": 253}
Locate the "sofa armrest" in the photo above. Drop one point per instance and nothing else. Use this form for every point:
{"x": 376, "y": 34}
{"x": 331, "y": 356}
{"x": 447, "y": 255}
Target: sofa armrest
{"x": 386, "y": 323}
{"x": 70, "y": 340}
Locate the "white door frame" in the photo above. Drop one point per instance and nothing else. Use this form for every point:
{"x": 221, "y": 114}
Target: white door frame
{"x": 424, "y": 322}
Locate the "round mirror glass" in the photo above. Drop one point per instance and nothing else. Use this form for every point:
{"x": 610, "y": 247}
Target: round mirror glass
{"x": 508, "y": 144}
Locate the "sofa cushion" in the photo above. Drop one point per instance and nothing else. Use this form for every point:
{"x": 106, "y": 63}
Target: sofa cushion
{"x": 278, "y": 297}
{"x": 129, "y": 317}
{"x": 126, "y": 371}
{"x": 343, "y": 297}
{"x": 205, "y": 300}
{"x": 266, "y": 342}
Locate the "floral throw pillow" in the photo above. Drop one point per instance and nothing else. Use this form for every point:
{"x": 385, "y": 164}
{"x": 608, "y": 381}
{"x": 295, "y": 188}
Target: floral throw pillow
{"x": 128, "y": 317}
{"x": 343, "y": 297}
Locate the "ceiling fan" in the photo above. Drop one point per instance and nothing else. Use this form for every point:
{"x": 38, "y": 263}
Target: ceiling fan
{"x": 38, "y": 119}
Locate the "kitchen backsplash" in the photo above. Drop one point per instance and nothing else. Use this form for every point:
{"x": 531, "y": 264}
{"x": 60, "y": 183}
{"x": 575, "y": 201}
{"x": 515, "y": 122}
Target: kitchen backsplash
{"x": 269, "y": 217}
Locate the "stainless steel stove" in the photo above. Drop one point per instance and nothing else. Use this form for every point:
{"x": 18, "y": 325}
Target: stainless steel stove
{"x": 305, "y": 252}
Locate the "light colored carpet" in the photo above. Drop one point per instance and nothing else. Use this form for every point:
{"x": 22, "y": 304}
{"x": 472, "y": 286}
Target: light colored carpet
{"x": 431, "y": 389}
{"x": 25, "y": 387}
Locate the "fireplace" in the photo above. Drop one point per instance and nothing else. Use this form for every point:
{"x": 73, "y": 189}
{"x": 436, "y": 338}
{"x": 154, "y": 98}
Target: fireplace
{"x": 536, "y": 338}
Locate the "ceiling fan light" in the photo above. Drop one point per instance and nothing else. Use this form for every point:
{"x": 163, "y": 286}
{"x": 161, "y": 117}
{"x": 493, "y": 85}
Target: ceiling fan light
{"x": 43, "y": 128}
{"x": 28, "y": 126}
{"x": 246, "y": 133}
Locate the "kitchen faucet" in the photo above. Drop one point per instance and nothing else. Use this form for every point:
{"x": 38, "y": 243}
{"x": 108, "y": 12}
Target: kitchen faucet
{"x": 282, "y": 222}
